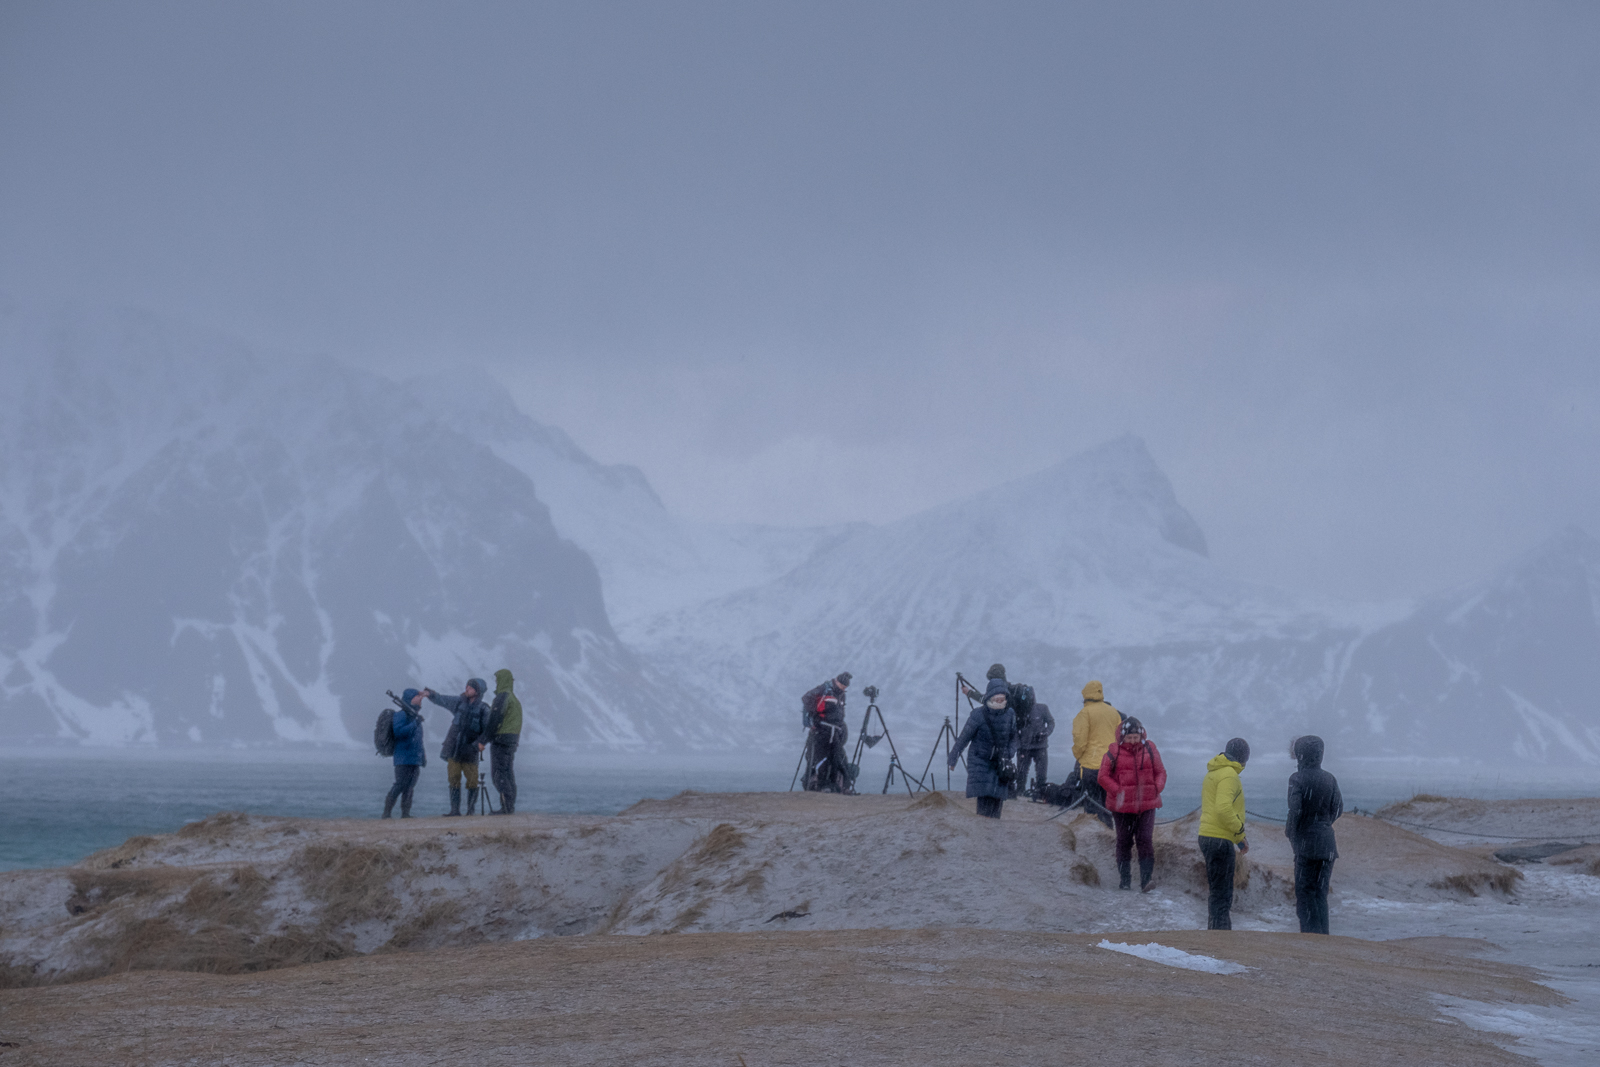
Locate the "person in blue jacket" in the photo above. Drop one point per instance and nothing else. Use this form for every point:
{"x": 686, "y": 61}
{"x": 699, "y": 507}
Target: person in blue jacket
{"x": 409, "y": 758}
{"x": 991, "y": 730}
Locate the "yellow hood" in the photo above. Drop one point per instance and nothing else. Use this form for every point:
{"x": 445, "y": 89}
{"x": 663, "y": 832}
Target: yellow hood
{"x": 1093, "y": 691}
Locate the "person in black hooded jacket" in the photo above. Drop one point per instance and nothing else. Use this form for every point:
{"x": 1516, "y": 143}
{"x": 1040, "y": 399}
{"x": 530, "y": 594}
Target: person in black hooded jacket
{"x": 1314, "y": 805}
{"x": 991, "y": 730}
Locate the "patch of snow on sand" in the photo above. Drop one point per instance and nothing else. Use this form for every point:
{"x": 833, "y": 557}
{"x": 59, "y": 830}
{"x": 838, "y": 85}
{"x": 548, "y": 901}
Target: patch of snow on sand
{"x": 1175, "y": 957}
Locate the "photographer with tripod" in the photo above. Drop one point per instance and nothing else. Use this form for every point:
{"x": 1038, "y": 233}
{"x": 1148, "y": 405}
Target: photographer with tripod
{"x": 822, "y": 714}
{"x": 991, "y": 730}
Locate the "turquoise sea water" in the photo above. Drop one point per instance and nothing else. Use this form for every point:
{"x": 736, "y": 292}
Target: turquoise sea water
{"x": 58, "y": 806}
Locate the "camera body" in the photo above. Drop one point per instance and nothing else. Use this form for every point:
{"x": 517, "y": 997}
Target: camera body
{"x": 870, "y": 692}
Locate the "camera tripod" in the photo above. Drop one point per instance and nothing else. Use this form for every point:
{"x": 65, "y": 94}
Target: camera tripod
{"x": 949, "y": 734}
{"x": 866, "y": 740}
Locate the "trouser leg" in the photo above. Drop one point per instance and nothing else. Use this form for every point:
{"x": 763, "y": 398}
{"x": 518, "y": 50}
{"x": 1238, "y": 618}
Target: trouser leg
{"x": 1312, "y": 878}
{"x": 502, "y": 754}
{"x": 1091, "y": 786}
{"x": 454, "y": 769}
{"x": 1024, "y": 763}
{"x": 1041, "y": 762}
{"x": 409, "y": 788}
{"x": 1219, "y": 859}
{"x": 394, "y": 791}
{"x": 1125, "y": 824}
{"x": 1144, "y": 840}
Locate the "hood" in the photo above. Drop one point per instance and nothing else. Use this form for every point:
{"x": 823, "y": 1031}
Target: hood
{"x": 1093, "y": 691}
{"x": 480, "y": 685}
{"x": 1220, "y": 760}
{"x": 407, "y": 697}
{"x": 997, "y": 685}
{"x": 1308, "y": 751}
{"x": 502, "y": 681}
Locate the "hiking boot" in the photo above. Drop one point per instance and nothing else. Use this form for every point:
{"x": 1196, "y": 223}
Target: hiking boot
{"x": 1125, "y": 875}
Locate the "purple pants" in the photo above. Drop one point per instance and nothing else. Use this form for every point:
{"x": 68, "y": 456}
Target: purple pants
{"x": 1133, "y": 829}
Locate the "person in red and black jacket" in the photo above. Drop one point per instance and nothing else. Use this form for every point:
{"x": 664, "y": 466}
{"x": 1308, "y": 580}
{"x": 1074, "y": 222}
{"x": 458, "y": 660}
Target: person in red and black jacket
{"x": 1133, "y": 777}
{"x": 822, "y": 711}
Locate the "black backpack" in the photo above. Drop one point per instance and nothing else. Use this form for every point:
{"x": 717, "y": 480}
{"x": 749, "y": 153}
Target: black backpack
{"x": 383, "y": 733}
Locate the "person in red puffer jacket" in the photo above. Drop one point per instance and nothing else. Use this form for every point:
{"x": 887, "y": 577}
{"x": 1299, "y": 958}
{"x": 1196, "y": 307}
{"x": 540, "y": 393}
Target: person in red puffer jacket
{"x": 1133, "y": 777}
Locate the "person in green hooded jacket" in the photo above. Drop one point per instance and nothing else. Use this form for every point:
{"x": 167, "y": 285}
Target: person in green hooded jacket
{"x": 505, "y": 731}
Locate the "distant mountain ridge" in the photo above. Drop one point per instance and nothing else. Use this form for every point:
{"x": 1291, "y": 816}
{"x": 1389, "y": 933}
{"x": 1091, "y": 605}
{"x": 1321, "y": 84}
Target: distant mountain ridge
{"x": 201, "y": 544}
{"x": 197, "y": 544}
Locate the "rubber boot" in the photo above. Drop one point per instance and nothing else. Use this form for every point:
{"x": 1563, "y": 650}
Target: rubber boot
{"x": 472, "y": 802}
{"x": 455, "y": 802}
{"x": 1147, "y": 867}
{"x": 388, "y": 806}
{"x": 1125, "y": 874}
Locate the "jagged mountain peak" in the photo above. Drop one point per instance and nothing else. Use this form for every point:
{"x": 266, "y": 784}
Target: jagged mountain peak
{"x": 1116, "y": 485}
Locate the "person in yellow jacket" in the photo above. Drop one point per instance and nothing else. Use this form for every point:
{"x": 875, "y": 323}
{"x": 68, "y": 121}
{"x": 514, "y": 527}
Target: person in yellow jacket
{"x": 1093, "y": 732}
{"x": 1222, "y": 827}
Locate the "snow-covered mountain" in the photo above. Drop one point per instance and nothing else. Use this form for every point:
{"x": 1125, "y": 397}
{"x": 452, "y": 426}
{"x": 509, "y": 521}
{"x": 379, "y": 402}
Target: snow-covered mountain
{"x": 650, "y": 560}
{"x": 1092, "y": 569}
{"x": 198, "y": 543}
{"x": 201, "y": 544}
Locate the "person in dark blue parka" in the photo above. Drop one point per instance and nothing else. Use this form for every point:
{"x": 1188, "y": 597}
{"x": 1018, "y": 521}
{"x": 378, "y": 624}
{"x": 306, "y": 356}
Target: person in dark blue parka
{"x": 991, "y": 730}
{"x": 409, "y": 758}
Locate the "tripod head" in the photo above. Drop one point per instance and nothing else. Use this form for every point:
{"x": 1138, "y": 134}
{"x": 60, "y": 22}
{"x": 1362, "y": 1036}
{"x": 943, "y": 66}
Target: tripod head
{"x": 403, "y": 706}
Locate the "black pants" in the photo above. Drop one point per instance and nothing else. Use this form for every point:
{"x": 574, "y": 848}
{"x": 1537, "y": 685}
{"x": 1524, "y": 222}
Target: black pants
{"x": 1040, "y": 758}
{"x": 1091, "y": 786}
{"x": 989, "y": 807}
{"x": 405, "y": 781}
{"x": 1218, "y": 853}
{"x": 1311, "y": 881}
{"x": 828, "y": 756}
{"x": 502, "y": 751}
{"x": 1135, "y": 830}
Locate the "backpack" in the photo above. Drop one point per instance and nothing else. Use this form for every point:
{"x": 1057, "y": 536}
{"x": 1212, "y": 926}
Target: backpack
{"x": 383, "y": 733}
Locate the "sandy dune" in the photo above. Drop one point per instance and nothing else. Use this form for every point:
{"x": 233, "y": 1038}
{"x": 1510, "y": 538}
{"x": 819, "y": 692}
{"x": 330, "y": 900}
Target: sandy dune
{"x": 831, "y": 997}
{"x": 807, "y": 929}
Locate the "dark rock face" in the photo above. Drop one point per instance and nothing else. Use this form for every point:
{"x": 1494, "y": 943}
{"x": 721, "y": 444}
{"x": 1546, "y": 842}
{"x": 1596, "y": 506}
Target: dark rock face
{"x": 198, "y": 544}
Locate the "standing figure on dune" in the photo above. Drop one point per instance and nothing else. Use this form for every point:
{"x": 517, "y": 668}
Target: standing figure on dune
{"x": 1314, "y": 806}
{"x": 1222, "y": 828}
{"x": 409, "y": 758}
{"x": 1033, "y": 746}
{"x": 1094, "y": 730}
{"x": 991, "y": 730}
{"x": 505, "y": 732}
{"x": 822, "y": 714}
{"x": 1133, "y": 776}
{"x": 463, "y": 744}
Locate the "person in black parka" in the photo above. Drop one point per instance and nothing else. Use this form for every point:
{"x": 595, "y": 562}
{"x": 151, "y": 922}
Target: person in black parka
{"x": 1314, "y": 805}
{"x": 1033, "y": 745}
{"x": 991, "y": 730}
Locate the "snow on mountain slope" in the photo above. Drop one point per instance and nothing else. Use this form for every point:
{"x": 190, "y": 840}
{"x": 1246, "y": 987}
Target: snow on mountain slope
{"x": 650, "y": 560}
{"x": 197, "y": 543}
{"x": 1513, "y": 662}
{"x": 1090, "y": 567}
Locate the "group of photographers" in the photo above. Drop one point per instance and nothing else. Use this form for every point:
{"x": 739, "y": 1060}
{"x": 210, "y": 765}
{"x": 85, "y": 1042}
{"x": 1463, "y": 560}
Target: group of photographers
{"x": 474, "y": 726}
{"x": 1118, "y": 775}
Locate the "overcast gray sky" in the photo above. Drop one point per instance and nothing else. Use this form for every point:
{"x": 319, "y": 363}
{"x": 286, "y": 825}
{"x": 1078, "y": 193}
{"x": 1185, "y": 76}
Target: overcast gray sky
{"x": 1338, "y": 264}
